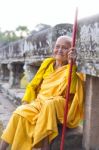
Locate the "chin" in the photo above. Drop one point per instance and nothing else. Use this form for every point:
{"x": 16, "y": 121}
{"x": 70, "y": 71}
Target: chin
{"x": 59, "y": 57}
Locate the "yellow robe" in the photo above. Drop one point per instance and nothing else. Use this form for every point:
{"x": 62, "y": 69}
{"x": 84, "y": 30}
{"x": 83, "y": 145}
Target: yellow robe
{"x": 31, "y": 123}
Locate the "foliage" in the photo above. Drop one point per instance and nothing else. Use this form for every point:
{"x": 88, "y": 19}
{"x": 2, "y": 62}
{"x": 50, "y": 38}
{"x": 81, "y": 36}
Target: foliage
{"x": 9, "y": 35}
{"x": 20, "y": 32}
{"x": 23, "y": 31}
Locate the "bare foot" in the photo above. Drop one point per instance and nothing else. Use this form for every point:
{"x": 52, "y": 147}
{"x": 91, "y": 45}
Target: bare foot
{"x": 3, "y": 145}
{"x": 45, "y": 145}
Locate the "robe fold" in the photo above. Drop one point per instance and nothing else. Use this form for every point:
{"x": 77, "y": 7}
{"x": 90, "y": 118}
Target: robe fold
{"x": 33, "y": 122}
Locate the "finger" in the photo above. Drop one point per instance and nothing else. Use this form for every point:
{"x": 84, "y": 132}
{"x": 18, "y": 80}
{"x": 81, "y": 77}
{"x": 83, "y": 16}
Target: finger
{"x": 72, "y": 55}
{"x": 72, "y": 48}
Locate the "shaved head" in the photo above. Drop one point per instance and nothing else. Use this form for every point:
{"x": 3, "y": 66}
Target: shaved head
{"x": 64, "y": 38}
{"x": 61, "y": 48}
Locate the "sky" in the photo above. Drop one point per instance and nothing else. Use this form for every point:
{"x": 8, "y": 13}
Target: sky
{"x": 32, "y": 12}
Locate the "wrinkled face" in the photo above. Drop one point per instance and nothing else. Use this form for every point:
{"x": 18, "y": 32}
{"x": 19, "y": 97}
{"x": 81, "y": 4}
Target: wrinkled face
{"x": 61, "y": 49}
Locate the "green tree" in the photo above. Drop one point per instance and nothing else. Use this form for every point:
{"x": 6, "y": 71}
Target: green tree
{"x": 23, "y": 31}
{"x": 10, "y": 36}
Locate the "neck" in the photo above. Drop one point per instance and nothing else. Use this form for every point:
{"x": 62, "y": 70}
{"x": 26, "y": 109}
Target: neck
{"x": 59, "y": 64}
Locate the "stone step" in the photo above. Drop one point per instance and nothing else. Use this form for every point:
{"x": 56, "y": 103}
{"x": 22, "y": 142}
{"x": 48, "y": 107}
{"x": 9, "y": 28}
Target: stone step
{"x": 73, "y": 139}
{"x": 13, "y": 94}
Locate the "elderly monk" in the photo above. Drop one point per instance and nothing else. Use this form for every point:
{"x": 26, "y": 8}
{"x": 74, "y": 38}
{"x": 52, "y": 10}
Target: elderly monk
{"x": 35, "y": 123}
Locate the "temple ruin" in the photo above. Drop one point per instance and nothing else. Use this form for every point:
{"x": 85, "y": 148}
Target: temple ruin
{"x": 20, "y": 60}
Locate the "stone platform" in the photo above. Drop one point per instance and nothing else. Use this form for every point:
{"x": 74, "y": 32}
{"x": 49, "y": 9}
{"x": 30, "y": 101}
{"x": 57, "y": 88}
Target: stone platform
{"x": 13, "y": 94}
{"x": 73, "y": 139}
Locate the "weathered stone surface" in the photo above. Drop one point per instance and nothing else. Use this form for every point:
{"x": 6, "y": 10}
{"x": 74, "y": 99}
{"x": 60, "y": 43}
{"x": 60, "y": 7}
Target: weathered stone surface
{"x": 88, "y": 45}
{"x": 6, "y": 109}
{"x": 15, "y": 94}
{"x": 4, "y": 72}
{"x": 73, "y": 139}
{"x": 30, "y": 51}
{"x": 1, "y": 127}
{"x": 36, "y": 46}
{"x": 91, "y": 121}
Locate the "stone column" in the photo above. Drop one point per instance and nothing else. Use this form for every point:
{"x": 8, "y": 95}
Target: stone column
{"x": 11, "y": 75}
{"x": 4, "y": 72}
{"x": 29, "y": 71}
{"x": 91, "y": 121}
{"x": 1, "y": 72}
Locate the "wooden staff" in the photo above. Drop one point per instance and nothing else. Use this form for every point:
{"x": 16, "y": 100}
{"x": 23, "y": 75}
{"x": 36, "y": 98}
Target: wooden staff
{"x": 68, "y": 85}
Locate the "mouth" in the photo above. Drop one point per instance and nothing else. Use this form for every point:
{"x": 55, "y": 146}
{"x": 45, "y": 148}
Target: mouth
{"x": 60, "y": 54}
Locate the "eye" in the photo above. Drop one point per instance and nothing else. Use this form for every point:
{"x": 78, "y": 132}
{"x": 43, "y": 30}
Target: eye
{"x": 64, "y": 48}
{"x": 57, "y": 46}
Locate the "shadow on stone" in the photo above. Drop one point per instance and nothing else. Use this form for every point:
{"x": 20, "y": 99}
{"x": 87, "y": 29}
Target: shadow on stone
{"x": 1, "y": 128}
{"x": 73, "y": 139}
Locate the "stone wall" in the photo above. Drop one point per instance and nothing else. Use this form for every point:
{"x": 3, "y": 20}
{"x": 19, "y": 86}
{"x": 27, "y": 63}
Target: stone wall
{"x": 29, "y": 52}
{"x": 88, "y": 45}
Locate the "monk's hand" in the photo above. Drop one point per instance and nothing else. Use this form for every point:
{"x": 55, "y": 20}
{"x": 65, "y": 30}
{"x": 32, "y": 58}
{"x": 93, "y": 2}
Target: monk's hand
{"x": 72, "y": 55}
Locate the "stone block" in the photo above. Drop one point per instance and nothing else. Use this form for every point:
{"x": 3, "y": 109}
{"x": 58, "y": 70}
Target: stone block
{"x": 91, "y": 121}
{"x": 73, "y": 139}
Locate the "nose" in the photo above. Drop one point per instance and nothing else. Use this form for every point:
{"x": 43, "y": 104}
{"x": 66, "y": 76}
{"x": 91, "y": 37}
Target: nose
{"x": 60, "y": 50}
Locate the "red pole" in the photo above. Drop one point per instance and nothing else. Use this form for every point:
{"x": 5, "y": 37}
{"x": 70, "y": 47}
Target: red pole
{"x": 69, "y": 83}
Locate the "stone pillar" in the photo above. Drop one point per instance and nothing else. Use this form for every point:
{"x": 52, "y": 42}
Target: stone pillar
{"x": 1, "y": 72}
{"x": 4, "y": 72}
{"x": 29, "y": 71}
{"x": 91, "y": 121}
{"x": 11, "y": 75}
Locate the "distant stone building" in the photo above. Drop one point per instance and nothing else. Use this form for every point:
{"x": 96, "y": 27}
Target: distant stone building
{"x": 20, "y": 60}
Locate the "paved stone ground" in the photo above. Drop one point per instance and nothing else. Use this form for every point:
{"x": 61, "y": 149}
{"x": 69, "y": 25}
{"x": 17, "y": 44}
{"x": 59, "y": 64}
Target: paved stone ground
{"x": 6, "y": 109}
{"x": 14, "y": 94}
